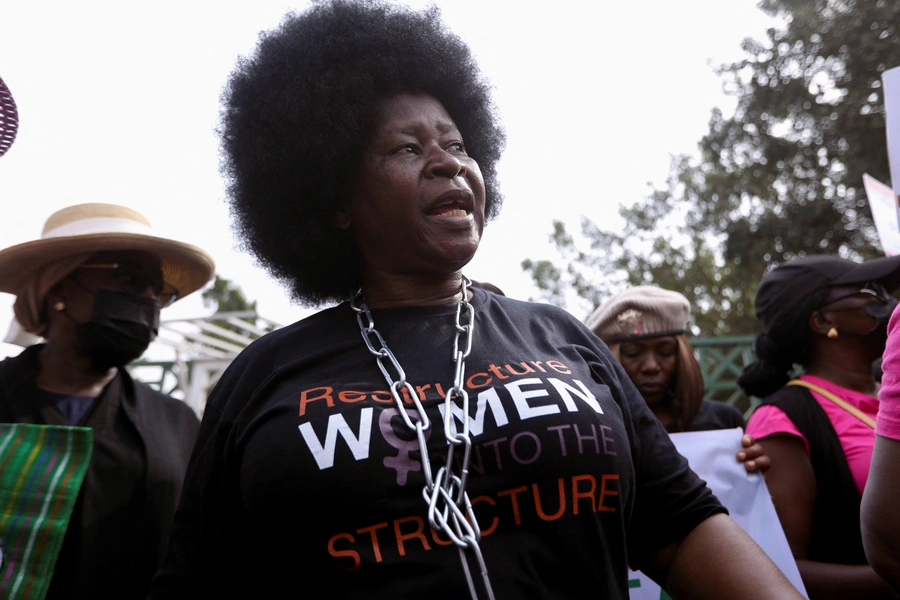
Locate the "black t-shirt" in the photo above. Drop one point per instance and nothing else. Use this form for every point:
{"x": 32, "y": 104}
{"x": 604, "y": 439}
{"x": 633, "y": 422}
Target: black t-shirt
{"x": 714, "y": 416}
{"x": 303, "y": 476}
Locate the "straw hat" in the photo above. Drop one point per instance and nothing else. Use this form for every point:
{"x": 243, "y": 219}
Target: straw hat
{"x": 89, "y": 228}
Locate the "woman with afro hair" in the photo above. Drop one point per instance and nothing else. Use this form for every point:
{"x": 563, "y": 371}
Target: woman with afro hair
{"x": 422, "y": 438}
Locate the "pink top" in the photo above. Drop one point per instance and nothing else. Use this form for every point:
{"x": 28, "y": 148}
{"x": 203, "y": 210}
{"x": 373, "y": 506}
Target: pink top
{"x": 889, "y": 414}
{"x": 856, "y": 437}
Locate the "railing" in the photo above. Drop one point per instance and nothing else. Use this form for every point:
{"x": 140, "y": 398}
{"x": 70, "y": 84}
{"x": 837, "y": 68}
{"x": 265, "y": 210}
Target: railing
{"x": 721, "y": 361}
{"x": 160, "y": 374}
{"x": 203, "y": 347}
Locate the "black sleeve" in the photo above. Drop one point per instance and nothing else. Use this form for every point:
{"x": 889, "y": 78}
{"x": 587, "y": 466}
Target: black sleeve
{"x": 670, "y": 499}
{"x": 734, "y": 418}
{"x": 717, "y": 415}
{"x": 182, "y": 426}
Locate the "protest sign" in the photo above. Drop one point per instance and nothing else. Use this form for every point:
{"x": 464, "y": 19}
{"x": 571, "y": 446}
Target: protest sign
{"x": 711, "y": 455}
{"x": 885, "y": 213}
{"x": 891, "y": 80}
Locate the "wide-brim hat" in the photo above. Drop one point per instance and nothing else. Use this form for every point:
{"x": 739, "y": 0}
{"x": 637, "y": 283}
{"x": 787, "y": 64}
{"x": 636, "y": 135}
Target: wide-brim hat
{"x": 96, "y": 227}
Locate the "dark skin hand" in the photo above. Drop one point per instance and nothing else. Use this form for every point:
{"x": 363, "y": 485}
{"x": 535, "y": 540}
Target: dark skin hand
{"x": 791, "y": 480}
{"x": 753, "y": 456}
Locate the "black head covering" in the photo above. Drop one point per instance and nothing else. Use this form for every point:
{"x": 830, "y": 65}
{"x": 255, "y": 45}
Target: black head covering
{"x": 785, "y": 288}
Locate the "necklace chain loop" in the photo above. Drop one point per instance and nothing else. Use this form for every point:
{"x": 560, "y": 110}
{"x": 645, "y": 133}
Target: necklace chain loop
{"x": 449, "y": 508}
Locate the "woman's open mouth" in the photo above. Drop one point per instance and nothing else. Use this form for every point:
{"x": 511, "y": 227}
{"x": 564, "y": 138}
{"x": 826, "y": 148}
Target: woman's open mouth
{"x": 452, "y": 212}
{"x": 453, "y": 203}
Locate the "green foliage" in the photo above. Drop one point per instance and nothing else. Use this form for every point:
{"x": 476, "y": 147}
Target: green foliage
{"x": 779, "y": 179}
{"x": 226, "y": 296}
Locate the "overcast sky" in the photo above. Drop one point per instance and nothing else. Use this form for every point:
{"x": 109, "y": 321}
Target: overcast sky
{"x": 118, "y": 102}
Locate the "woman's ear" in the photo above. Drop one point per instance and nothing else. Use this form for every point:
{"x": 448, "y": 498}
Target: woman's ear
{"x": 55, "y": 300}
{"x": 820, "y": 323}
{"x": 55, "y": 294}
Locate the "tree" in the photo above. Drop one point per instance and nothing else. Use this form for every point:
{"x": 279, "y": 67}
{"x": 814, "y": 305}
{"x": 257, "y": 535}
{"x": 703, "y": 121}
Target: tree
{"x": 226, "y": 296}
{"x": 780, "y": 178}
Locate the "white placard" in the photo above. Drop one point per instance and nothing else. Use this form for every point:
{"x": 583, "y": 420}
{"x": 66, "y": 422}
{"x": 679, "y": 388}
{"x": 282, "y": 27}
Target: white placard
{"x": 891, "y": 81}
{"x": 885, "y": 213}
{"x": 711, "y": 455}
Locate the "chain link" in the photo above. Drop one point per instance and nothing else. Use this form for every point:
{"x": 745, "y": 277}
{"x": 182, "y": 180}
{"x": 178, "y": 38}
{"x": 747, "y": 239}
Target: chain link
{"x": 449, "y": 508}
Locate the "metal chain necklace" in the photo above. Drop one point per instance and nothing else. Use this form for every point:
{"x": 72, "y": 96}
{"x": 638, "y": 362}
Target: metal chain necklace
{"x": 449, "y": 508}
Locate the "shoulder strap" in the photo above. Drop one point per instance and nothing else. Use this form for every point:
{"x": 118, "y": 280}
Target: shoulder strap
{"x": 837, "y": 400}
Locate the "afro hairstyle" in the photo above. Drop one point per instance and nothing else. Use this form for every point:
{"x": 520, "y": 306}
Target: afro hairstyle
{"x": 296, "y": 116}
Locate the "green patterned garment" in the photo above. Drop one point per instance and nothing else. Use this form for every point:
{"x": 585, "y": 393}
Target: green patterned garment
{"x": 41, "y": 470}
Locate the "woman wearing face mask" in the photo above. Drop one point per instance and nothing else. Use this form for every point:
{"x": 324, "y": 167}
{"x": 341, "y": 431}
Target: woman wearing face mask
{"x": 644, "y": 327}
{"x": 92, "y": 286}
{"x": 828, "y": 315}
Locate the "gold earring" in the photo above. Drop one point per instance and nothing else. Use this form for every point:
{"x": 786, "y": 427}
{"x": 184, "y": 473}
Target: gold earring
{"x": 59, "y": 306}
{"x": 832, "y": 334}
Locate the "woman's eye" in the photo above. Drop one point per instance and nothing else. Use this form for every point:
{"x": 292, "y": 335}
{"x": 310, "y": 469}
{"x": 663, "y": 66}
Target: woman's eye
{"x": 406, "y": 149}
{"x": 457, "y": 147}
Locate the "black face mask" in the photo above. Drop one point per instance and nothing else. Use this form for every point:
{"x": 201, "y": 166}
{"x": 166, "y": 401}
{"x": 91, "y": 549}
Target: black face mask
{"x": 120, "y": 328}
{"x": 876, "y": 339}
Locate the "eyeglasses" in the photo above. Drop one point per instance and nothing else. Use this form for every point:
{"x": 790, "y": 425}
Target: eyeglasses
{"x": 875, "y": 291}
{"x": 134, "y": 279}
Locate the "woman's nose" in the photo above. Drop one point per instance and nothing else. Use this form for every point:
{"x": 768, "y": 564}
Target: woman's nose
{"x": 650, "y": 365}
{"x": 445, "y": 164}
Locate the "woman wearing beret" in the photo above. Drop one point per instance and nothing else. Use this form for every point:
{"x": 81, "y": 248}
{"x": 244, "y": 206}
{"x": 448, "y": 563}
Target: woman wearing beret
{"x": 423, "y": 438}
{"x": 92, "y": 286}
{"x": 828, "y": 315}
{"x": 644, "y": 327}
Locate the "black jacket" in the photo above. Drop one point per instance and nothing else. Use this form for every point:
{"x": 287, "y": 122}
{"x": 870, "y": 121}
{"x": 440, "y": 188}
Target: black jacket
{"x": 120, "y": 525}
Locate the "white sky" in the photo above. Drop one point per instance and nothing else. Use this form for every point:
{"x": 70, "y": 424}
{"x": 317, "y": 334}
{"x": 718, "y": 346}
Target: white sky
{"x": 118, "y": 102}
